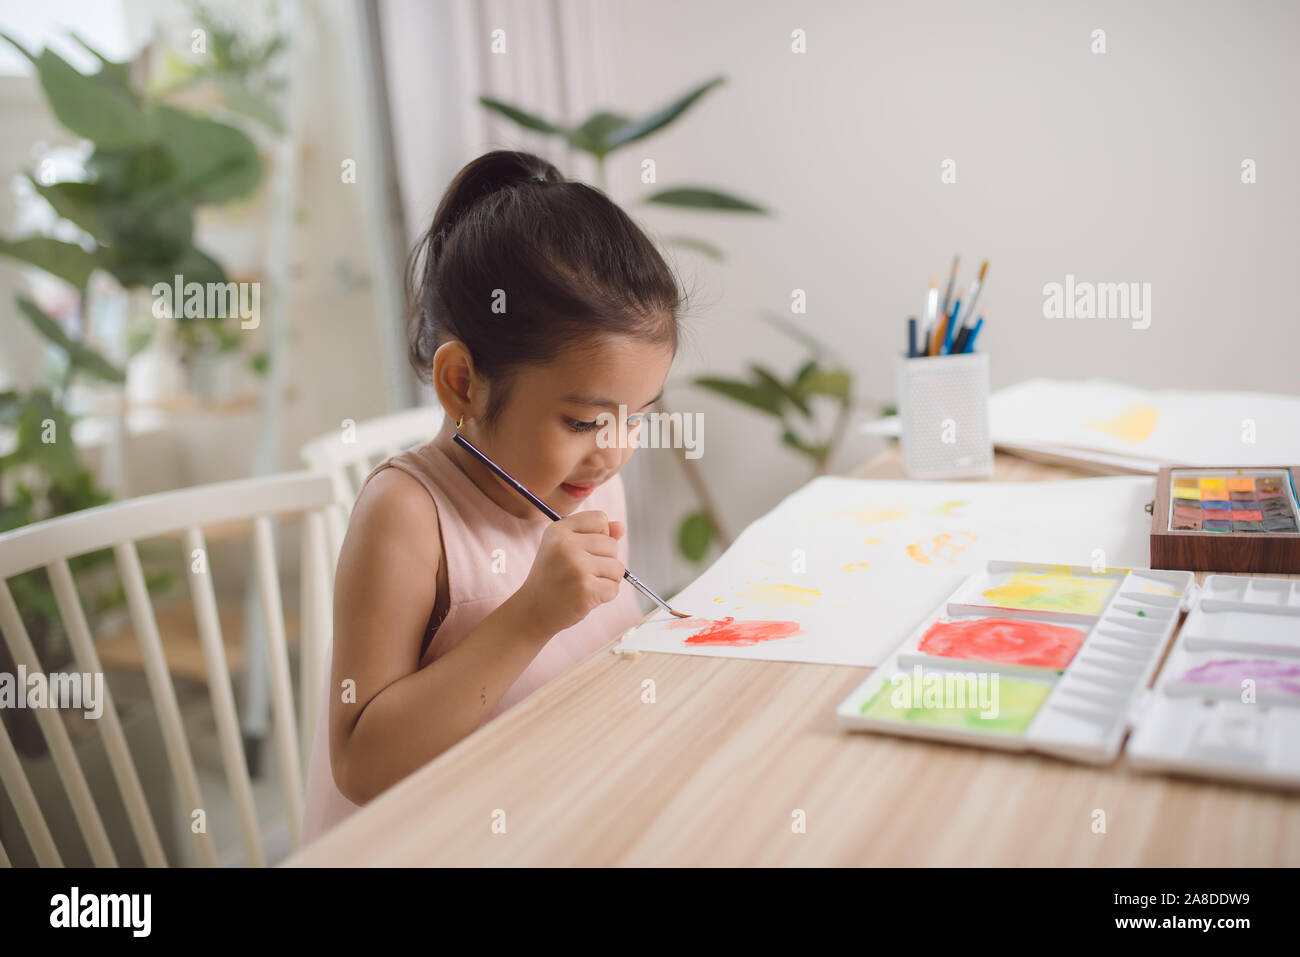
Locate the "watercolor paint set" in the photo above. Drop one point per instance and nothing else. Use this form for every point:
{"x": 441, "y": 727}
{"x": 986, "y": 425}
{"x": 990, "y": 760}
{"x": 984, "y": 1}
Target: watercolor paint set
{"x": 1227, "y": 702}
{"x": 1059, "y": 659}
{"x": 1241, "y": 520}
{"x": 1047, "y": 657}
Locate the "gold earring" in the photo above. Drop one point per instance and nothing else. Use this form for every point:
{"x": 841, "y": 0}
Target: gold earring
{"x": 461, "y": 422}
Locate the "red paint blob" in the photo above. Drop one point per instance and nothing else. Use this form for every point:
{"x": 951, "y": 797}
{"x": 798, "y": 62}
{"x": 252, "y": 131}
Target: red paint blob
{"x": 728, "y": 631}
{"x": 1004, "y": 639}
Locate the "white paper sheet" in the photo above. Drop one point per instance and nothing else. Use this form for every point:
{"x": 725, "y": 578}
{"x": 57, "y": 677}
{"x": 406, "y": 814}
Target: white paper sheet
{"x": 1170, "y": 427}
{"x": 858, "y": 563}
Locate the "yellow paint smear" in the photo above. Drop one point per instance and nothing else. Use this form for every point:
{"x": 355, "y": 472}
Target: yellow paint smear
{"x": 779, "y": 595}
{"x": 869, "y": 516}
{"x": 1131, "y": 424}
{"x": 1160, "y": 590}
{"x": 854, "y": 566}
{"x": 945, "y": 546}
{"x": 1052, "y": 591}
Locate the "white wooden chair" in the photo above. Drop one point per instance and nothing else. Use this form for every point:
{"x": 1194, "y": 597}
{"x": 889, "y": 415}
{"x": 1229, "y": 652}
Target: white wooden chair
{"x": 120, "y": 525}
{"x": 348, "y": 454}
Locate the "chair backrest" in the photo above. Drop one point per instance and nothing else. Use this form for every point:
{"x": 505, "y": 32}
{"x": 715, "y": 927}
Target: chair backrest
{"x": 347, "y": 455}
{"x": 119, "y": 525}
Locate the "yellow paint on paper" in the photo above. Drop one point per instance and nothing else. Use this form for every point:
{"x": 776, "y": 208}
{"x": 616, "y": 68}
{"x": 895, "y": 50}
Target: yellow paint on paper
{"x": 868, "y": 516}
{"x": 943, "y": 547}
{"x": 779, "y": 595}
{"x": 1134, "y": 423}
{"x": 854, "y": 566}
{"x": 1052, "y": 591}
{"x": 947, "y": 507}
{"x": 872, "y": 541}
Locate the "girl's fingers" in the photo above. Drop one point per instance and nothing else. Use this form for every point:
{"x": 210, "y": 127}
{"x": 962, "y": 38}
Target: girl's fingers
{"x": 610, "y": 568}
{"x": 598, "y": 544}
{"x": 593, "y": 520}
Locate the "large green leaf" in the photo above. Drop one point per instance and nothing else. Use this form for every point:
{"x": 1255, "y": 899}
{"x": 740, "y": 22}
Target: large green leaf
{"x": 197, "y": 266}
{"x": 137, "y": 237}
{"x": 694, "y": 536}
{"x": 639, "y": 129}
{"x": 57, "y": 459}
{"x": 700, "y": 197}
{"x": 10, "y": 403}
{"x": 760, "y": 397}
{"x": 190, "y": 263}
{"x": 214, "y": 162}
{"x": 76, "y": 202}
{"x": 772, "y": 381}
{"x": 522, "y": 117}
{"x": 104, "y": 112}
{"x": 814, "y": 452}
{"x": 593, "y": 135}
{"x": 699, "y": 245}
{"x": 832, "y": 382}
{"x": 118, "y": 74}
{"x": 67, "y": 261}
{"x": 136, "y": 175}
{"x": 79, "y": 355}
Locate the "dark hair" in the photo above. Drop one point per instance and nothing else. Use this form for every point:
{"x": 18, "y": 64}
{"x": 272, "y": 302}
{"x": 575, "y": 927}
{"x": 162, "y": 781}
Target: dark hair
{"x": 572, "y": 266}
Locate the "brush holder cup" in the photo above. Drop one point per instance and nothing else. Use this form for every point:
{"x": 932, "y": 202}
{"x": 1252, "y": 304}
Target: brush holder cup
{"x": 943, "y": 414}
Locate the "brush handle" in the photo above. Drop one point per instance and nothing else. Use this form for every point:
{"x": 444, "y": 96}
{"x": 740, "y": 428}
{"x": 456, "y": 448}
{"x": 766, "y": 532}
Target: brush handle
{"x": 506, "y": 477}
{"x": 554, "y": 515}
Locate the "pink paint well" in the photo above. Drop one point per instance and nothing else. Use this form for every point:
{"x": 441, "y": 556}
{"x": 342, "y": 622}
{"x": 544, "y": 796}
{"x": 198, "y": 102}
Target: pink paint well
{"x": 1010, "y": 641}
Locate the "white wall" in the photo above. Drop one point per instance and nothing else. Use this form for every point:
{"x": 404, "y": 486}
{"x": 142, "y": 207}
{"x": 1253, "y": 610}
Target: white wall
{"x": 1116, "y": 167}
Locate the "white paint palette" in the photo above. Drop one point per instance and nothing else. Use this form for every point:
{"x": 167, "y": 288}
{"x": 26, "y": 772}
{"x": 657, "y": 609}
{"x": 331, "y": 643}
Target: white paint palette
{"x": 1028, "y": 657}
{"x": 1227, "y": 704}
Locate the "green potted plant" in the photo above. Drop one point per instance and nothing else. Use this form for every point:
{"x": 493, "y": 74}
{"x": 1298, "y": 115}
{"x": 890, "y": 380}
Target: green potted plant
{"x": 150, "y": 167}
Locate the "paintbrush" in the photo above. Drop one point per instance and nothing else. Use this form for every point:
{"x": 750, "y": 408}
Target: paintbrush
{"x": 952, "y": 281}
{"x": 555, "y": 517}
{"x": 965, "y": 325}
{"x": 931, "y": 304}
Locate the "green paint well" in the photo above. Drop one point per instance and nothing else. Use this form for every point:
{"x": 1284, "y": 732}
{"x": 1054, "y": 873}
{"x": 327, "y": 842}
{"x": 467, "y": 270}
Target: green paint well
{"x": 900, "y": 700}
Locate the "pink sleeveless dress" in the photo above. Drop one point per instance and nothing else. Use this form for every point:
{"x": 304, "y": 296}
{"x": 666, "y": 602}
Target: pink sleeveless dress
{"x": 474, "y": 527}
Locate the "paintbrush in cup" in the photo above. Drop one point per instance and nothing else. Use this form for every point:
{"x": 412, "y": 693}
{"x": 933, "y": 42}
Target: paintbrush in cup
{"x": 555, "y": 516}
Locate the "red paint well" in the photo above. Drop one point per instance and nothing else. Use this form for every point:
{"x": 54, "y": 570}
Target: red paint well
{"x": 728, "y": 631}
{"x": 1006, "y": 640}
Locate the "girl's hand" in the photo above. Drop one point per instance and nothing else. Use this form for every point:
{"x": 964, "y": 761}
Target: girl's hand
{"x": 576, "y": 569}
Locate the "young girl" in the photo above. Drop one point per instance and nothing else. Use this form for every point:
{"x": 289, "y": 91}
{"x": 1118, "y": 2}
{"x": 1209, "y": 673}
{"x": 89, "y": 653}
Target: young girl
{"x": 540, "y": 313}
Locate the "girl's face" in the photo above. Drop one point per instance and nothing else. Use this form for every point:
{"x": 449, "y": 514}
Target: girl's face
{"x": 562, "y": 432}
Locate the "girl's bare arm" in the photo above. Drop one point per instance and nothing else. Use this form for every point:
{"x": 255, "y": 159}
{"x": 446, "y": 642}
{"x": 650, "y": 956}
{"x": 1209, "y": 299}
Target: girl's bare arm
{"x": 385, "y": 587}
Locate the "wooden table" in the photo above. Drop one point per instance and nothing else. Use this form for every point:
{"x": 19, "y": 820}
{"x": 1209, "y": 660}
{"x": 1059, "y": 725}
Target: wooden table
{"x": 733, "y": 752}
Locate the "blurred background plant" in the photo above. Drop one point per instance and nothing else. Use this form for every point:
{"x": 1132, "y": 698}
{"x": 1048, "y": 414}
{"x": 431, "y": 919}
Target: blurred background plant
{"x": 129, "y": 214}
{"x": 792, "y": 400}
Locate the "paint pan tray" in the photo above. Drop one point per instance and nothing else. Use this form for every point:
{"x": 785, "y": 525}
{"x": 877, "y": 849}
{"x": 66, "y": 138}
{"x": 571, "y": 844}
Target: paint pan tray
{"x": 1028, "y": 657}
{"x": 1227, "y": 704}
